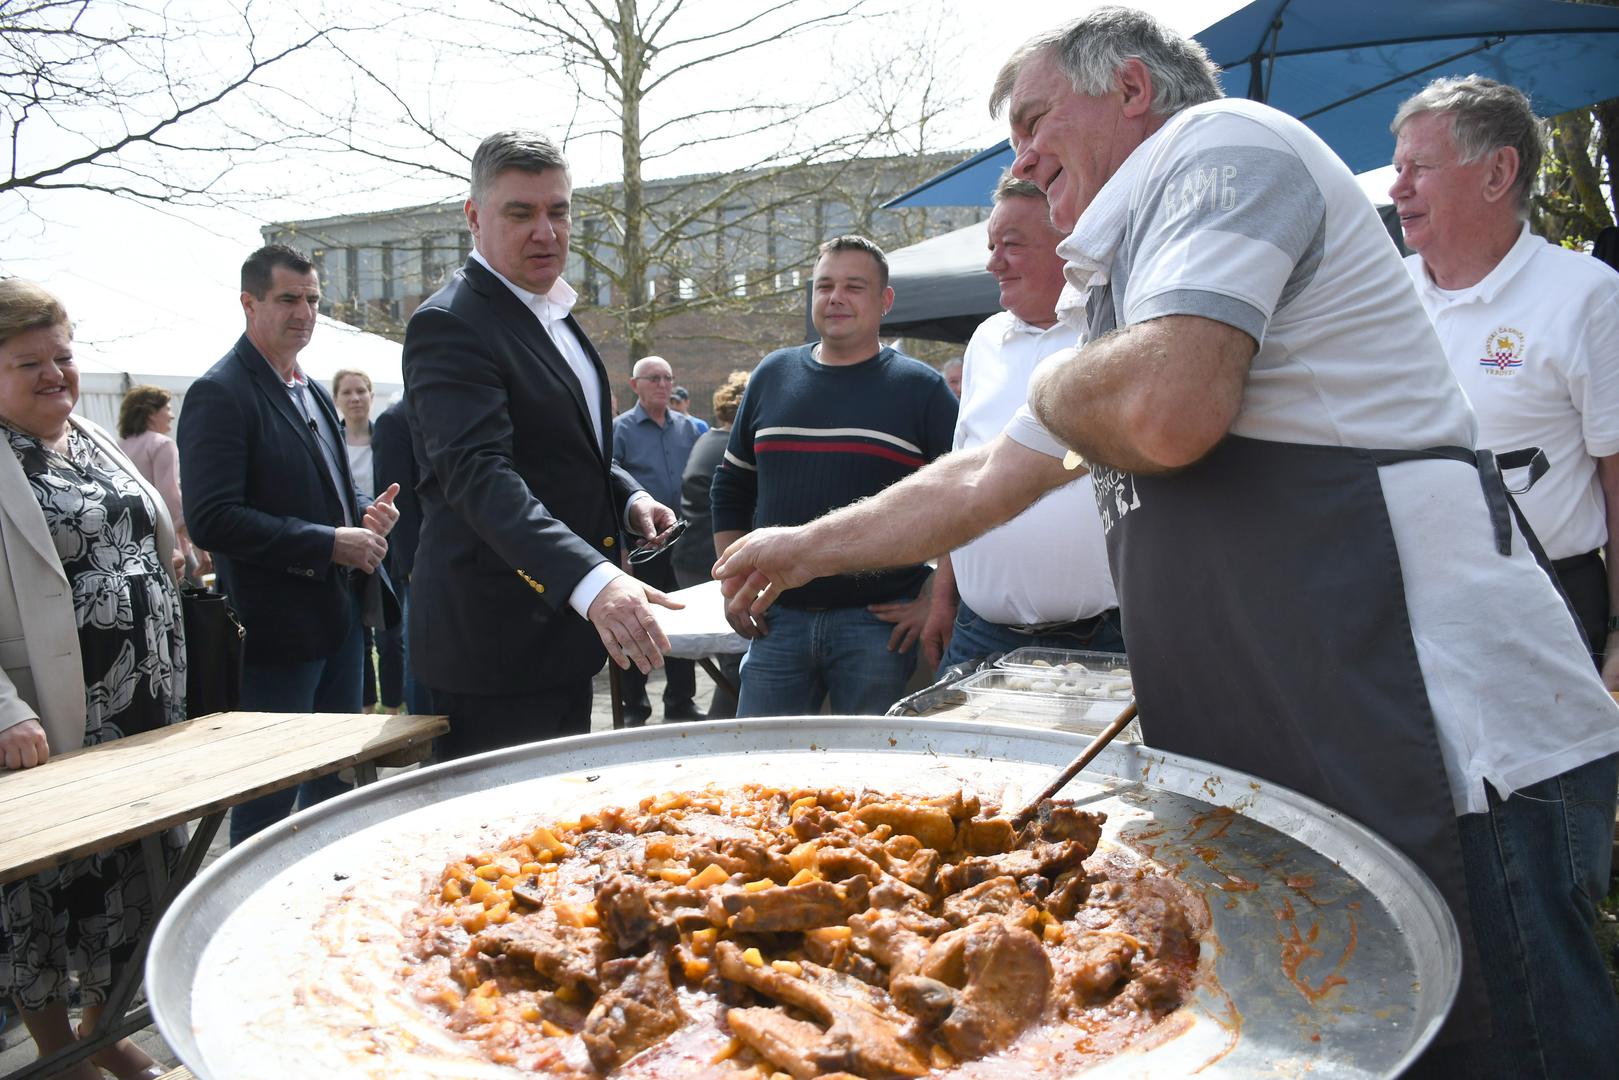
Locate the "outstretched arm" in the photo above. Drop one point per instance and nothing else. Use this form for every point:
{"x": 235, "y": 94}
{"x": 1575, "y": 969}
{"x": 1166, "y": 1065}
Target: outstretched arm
{"x": 957, "y": 498}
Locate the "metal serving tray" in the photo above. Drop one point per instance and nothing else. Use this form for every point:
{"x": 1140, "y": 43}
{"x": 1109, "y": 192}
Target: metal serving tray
{"x": 1331, "y": 953}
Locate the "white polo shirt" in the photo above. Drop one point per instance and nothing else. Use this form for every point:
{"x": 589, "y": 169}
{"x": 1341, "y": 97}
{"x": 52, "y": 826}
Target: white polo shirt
{"x": 1237, "y": 212}
{"x": 1048, "y": 564}
{"x": 1535, "y": 345}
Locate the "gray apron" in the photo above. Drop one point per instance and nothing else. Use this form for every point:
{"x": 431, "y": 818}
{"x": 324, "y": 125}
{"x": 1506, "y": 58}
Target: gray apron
{"x": 1264, "y": 607}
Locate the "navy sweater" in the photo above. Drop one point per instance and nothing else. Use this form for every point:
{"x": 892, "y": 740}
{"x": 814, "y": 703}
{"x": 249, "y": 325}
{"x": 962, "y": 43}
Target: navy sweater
{"x": 811, "y": 437}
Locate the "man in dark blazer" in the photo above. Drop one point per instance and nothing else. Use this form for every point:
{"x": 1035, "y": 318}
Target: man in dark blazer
{"x": 296, "y": 546}
{"x": 517, "y": 591}
{"x": 394, "y": 462}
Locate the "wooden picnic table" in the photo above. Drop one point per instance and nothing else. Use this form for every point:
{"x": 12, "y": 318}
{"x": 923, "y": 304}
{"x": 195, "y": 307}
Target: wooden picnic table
{"x": 133, "y": 789}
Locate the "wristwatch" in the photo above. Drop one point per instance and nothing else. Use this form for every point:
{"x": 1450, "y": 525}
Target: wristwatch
{"x": 1613, "y": 624}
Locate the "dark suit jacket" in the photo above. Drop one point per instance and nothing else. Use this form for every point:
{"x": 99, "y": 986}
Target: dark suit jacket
{"x": 393, "y": 462}
{"x": 519, "y": 498}
{"x": 259, "y": 497}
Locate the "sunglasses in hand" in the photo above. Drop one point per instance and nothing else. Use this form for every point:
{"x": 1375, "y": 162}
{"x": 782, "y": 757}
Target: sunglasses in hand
{"x": 651, "y": 549}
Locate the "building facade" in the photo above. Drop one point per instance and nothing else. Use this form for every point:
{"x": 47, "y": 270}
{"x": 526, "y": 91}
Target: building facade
{"x": 726, "y": 259}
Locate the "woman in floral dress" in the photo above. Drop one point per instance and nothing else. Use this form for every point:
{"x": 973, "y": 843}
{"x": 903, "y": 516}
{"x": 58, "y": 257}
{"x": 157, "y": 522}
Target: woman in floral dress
{"x": 114, "y": 631}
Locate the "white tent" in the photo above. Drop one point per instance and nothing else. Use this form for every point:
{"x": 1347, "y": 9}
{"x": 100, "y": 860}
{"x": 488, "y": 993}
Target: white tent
{"x": 135, "y": 332}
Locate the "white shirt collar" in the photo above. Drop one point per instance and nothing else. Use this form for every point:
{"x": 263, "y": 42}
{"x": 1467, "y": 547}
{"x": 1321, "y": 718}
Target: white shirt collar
{"x": 554, "y": 306}
{"x": 1485, "y": 289}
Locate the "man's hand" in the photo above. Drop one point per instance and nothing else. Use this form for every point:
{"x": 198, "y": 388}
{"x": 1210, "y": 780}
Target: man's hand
{"x": 360, "y": 548}
{"x": 382, "y": 515}
{"x": 758, "y": 568}
{"x": 650, "y": 518}
{"x": 204, "y": 561}
{"x": 940, "y": 626}
{"x": 908, "y": 617}
{"x": 22, "y": 746}
{"x": 626, "y": 624}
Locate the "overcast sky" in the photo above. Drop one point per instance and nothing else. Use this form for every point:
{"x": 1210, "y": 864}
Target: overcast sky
{"x": 125, "y": 268}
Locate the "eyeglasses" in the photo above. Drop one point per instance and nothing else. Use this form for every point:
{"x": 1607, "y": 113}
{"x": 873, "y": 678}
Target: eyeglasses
{"x": 647, "y": 552}
{"x": 652, "y": 378}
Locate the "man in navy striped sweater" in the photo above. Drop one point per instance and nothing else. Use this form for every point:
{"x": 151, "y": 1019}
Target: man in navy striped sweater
{"x": 820, "y": 427}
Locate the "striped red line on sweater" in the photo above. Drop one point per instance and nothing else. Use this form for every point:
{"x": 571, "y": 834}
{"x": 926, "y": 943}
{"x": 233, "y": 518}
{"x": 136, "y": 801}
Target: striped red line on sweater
{"x": 792, "y": 446}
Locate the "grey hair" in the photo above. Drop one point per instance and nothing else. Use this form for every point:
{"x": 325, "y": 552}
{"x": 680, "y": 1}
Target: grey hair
{"x": 1092, "y": 50}
{"x": 1485, "y": 115}
{"x": 1010, "y": 187}
{"x": 528, "y": 151}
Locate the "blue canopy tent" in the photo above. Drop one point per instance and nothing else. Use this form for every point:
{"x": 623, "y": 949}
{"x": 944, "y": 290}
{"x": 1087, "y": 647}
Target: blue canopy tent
{"x": 1344, "y": 68}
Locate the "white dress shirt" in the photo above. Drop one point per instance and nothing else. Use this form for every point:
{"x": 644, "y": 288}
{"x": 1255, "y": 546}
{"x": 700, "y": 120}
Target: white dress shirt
{"x": 551, "y": 311}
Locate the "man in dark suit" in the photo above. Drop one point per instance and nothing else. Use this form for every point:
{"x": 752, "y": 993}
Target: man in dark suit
{"x": 297, "y": 547}
{"x": 394, "y": 462}
{"x": 521, "y": 502}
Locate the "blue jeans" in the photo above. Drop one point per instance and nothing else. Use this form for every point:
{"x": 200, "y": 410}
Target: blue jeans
{"x": 332, "y": 685}
{"x": 975, "y": 636}
{"x": 808, "y": 655}
{"x": 1537, "y": 864}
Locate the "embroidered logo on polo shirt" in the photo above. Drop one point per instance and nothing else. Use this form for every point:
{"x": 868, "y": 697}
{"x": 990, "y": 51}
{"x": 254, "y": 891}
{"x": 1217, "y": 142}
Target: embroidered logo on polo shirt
{"x": 1503, "y": 351}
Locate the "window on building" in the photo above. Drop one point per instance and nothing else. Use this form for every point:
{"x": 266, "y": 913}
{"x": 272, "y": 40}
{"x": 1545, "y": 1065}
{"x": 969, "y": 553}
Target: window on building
{"x": 687, "y": 289}
{"x": 739, "y": 284}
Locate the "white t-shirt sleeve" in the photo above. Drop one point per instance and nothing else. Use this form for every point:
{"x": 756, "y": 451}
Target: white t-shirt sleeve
{"x": 1025, "y": 430}
{"x": 1227, "y": 222}
{"x": 1594, "y": 374}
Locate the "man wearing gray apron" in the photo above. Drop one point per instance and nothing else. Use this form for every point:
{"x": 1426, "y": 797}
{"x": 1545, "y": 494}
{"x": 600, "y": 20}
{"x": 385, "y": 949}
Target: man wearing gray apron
{"x": 1321, "y": 582}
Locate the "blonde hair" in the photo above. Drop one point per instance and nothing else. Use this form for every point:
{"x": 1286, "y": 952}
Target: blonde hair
{"x": 337, "y": 380}
{"x": 25, "y": 306}
{"x": 728, "y": 398}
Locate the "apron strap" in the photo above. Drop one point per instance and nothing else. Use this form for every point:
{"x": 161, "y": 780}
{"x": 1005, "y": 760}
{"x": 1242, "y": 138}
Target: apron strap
{"x": 1489, "y": 466}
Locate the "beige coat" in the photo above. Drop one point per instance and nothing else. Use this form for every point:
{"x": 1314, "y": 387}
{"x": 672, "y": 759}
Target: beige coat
{"x": 43, "y": 677}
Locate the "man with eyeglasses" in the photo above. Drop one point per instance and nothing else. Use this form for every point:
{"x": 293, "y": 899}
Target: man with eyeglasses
{"x": 652, "y": 441}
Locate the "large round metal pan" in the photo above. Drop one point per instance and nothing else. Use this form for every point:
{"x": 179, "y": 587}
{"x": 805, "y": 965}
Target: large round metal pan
{"x": 1331, "y": 954}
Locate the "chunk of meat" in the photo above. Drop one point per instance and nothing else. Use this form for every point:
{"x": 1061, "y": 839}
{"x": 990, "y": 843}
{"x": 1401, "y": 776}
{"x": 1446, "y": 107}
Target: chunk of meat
{"x": 1058, "y": 820}
{"x": 1007, "y": 978}
{"x": 988, "y": 836}
{"x": 932, "y": 825}
{"x": 637, "y": 1009}
{"x": 920, "y": 871}
{"x": 890, "y": 942}
{"x": 842, "y": 863}
{"x": 1047, "y": 860}
{"x": 997, "y": 896}
{"x": 929, "y": 1000}
{"x": 1151, "y": 912}
{"x": 1067, "y": 893}
{"x": 778, "y": 1038}
{"x": 788, "y": 908}
{"x": 958, "y": 805}
{"x": 895, "y": 894}
{"x": 1100, "y": 961}
{"x": 567, "y": 955}
{"x": 859, "y": 1037}
{"x": 634, "y": 910}
{"x": 810, "y": 822}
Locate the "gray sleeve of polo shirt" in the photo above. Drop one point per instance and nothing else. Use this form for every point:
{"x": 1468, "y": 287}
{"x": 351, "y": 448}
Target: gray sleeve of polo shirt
{"x": 1228, "y": 224}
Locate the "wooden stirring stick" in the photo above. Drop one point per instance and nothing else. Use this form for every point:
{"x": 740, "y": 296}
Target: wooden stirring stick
{"x": 1026, "y": 815}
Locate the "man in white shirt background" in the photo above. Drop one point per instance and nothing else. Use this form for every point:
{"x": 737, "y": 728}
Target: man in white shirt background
{"x": 1531, "y": 329}
{"x": 1042, "y": 578}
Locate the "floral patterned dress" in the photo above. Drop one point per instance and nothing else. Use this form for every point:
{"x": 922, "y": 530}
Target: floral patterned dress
{"x": 83, "y": 919}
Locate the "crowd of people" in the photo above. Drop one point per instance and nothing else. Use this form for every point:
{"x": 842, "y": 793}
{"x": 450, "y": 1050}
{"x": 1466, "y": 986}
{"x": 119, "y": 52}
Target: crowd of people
{"x": 1218, "y": 428}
